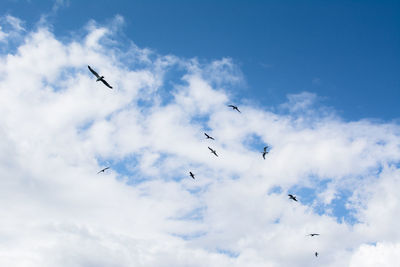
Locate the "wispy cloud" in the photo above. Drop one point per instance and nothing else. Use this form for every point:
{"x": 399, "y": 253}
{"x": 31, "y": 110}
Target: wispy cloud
{"x": 59, "y": 128}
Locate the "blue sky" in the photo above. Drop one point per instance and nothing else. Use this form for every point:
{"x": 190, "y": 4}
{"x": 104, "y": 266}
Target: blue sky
{"x": 317, "y": 82}
{"x": 347, "y": 52}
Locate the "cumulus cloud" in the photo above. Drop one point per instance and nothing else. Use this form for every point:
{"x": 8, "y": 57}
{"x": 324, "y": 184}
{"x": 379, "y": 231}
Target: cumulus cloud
{"x": 381, "y": 254}
{"x": 59, "y": 127}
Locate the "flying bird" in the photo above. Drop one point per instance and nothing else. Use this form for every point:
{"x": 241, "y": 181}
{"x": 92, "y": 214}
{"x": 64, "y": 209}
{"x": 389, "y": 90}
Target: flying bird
{"x": 103, "y": 170}
{"x": 209, "y": 137}
{"x": 265, "y": 151}
{"x": 99, "y": 78}
{"x": 213, "y": 151}
{"x": 292, "y": 197}
{"x": 316, "y": 254}
{"x": 234, "y": 108}
{"x": 191, "y": 175}
{"x": 312, "y": 234}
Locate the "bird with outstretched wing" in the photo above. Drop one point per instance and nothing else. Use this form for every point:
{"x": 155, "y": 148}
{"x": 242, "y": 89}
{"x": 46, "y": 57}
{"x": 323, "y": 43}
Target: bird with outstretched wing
{"x": 99, "y": 78}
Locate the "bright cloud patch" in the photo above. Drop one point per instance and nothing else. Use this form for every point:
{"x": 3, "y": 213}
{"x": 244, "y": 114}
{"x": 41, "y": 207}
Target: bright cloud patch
{"x": 59, "y": 127}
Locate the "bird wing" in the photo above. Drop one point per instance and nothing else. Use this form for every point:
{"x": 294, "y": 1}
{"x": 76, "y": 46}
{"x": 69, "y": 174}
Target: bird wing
{"x": 92, "y": 71}
{"x": 106, "y": 83}
{"x": 264, "y": 155}
{"x": 207, "y": 135}
{"x": 265, "y": 148}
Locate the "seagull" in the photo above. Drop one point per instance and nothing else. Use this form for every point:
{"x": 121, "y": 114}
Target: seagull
{"x": 209, "y": 137}
{"x": 103, "y": 170}
{"x": 213, "y": 151}
{"x": 316, "y": 254}
{"x": 234, "y": 108}
{"x": 265, "y": 151}
{"x": 312, "y": 234}
{"x": 99, "y": 78}
{"x": 292, "y": 197}
{"x": 191, "y": 175}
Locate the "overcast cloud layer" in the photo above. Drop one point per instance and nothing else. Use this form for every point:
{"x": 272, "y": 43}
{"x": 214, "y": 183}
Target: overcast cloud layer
{"x": 59, "y": 128}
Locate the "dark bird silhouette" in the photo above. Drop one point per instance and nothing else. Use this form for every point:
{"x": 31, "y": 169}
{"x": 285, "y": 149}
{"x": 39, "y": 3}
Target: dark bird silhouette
{"x": 99, "y": 78}
{"x": 213, "y": 151}
{"x": 209, "y": 137}
{"x": 265, "y": 151}
{"x": 103, "y": 170}
{"x": 316, "y": 254}
{"x": 234, "y": 108}
{"x": 191, "y": 175}
{"x": 292, "y": 197}
{"x": 312, "y": 234}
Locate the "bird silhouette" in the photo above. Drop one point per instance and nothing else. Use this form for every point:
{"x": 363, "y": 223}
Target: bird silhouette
{"x": 265, "y": 151}
{"x": 316, "y": 254}
{"x": 103, "y": 170}
{"x": 191, "y": 175}
{"x": 292, "y": 197}
{"x": 234, "y": 108}
{"x": 213, "y": 151}
{"x": 209, "y": 137}
{"x": 312, "y": 235}
{"x": 99, "y": 78}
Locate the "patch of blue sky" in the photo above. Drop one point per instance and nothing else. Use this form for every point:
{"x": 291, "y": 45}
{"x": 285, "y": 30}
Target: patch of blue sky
{"x": 130, "y": 168}
{"x": 196, "y": 190}
{"x": 165, "y": 93}
{"x": 229, "y": 253}
{"x": 200, "y": 120}
{"x": 338, "y": 207}
{"x": 275, "y": 190}
{"x": 196, "y": 214}
{"x": 255, "y": 143}
{"x": 234, "y": 176}
{"x": 346, "y": 49}
{"x": 126, "y": 168}
{"x": 82, "y": 129}
{"x": 64, "y": 78}
{"x": 188, "y": 237}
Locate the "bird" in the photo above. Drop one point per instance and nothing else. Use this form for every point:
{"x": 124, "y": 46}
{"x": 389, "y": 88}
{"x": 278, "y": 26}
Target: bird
{"x": 191, "y": 175}
{"x": 292, "y": 197}
{"x": 316, "y": 254}
{"x": 234, "y": 108}
{"x": 312, "y": 234}
{"x": 265, "y": 151}
{"x": 209, "y": 137}
{"x": 99, "y": 78}
{"x": 213, "y": 151}
{"x": 103, "y": 170}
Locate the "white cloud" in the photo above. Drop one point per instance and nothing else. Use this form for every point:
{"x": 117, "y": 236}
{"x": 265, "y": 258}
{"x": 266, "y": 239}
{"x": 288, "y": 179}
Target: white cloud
{"x": 10, "y": 28}
{"x": 382, "y": 254}
{"x": 59, "y": 4}
{"x": 59, "y": 127}
{"x": 16, "y": 23}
